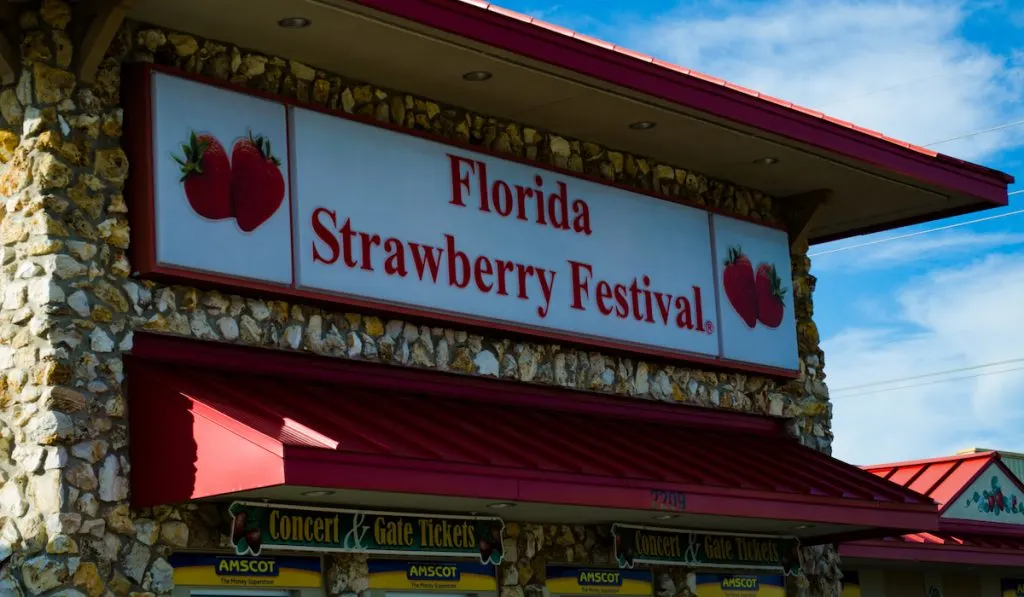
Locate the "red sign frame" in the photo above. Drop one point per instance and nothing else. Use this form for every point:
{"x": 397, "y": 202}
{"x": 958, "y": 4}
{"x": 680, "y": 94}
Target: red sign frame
{"x": 138, "y": 143}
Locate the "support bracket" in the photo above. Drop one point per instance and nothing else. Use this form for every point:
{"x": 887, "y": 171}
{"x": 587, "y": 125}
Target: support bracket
{"x": 801, "y": 210}
{"x": 107, "y": 18}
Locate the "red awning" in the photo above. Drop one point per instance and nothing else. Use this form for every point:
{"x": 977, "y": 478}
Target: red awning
{"x": 210, "y": 419}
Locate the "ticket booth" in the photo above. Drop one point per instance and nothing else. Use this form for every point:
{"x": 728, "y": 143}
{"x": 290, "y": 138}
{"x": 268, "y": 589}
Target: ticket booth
{"x": 220, "y": 575}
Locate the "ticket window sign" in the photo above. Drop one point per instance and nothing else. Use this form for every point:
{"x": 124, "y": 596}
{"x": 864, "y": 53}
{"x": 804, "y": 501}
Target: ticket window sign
{"x": 596, "y": 581}
{"x": 212, "y": 575}
{"x": 1012, "y": 587}
{"x": 851, "y": 584}
{"x": 432, "y": 579}
{"x": 740, "y": 585}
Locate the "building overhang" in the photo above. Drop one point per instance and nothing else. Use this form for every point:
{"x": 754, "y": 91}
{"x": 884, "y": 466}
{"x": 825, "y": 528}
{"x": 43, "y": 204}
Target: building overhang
{"x": 215, "y": 422}
{"x": 555, "y": 79}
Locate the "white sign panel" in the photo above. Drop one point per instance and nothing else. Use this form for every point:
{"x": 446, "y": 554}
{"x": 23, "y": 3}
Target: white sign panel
{"x": 330, "y": 207}
{"x": 208, "y": 216}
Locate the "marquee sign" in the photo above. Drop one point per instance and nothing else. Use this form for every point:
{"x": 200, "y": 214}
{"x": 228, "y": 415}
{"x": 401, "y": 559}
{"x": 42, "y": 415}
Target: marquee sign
{"x": 669, "y": 547}
{"x": 258, "y": 525}
{"x": 247, "y": 192}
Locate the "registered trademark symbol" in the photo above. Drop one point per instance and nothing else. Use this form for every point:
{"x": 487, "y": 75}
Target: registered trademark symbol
{"x": 709, "y": 327}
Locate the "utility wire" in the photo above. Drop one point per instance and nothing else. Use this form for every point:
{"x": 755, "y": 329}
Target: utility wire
{"x": 920, "y": 232}
{"x": 889, "y": 88}
{"x": 968, "y": 135}
{"x": 926, "y": 375}
{"x": 930, "y": 383}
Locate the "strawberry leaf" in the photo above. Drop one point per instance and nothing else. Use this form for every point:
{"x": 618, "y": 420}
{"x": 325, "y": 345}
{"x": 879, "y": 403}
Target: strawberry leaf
{"x": 192, "y": 163}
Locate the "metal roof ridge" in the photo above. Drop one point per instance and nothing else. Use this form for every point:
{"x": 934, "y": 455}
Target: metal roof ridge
{"x": 926, "y": 461}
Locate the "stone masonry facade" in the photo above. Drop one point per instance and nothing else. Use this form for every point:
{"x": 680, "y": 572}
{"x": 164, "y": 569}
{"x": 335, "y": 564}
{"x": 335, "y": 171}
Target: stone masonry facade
{"x": 69, "y": 307}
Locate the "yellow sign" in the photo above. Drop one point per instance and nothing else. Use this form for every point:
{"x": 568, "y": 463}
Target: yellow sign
{"x": 740, "y": 585}
{"x": 851, "y": 584}
{"x": 1012, "y": 587}
{"x": 201, "y": 570}
{"x": 432, "y": 576}
{"x": 589, "y": 581}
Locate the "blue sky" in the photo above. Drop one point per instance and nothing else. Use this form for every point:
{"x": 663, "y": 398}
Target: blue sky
{"x": 920, "y": 70}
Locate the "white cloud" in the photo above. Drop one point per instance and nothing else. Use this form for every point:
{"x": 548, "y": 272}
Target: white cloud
{"x": 901, "y": 68}
{"x": 960, "y": 317}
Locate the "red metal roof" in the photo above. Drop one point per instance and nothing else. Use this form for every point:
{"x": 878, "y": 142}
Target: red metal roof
{"x": 944, "y": 479}
{"x": 941, "y": 479}
{"x": 349, "y": 431}
{"x": 524, "y": 35}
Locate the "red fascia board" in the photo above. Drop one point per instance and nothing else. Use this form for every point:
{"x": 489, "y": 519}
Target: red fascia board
{"x": 317, "y": 468}
{"x": 954, "y": 526}
{"x": 404, "y": 380}
{"x": 708, "y": 95}
{"x": 933, "y": 553}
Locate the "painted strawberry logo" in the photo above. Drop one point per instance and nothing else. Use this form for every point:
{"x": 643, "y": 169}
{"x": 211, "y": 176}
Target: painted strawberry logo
{"x": 206, "y": 176}
{"x": 257, "y": 185}
{"x": 738, "y": 281}
{"x": 770, "y": 295}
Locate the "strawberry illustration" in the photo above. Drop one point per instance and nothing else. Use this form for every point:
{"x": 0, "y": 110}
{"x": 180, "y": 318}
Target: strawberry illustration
{"x": 238, "y": 526}
{"x": 254, "y": 539}
{"x": 206, "y": 175}
{"x": 257, "y": 185}
{"x": 770, "y": 296}
{"x": 738, "y": 281}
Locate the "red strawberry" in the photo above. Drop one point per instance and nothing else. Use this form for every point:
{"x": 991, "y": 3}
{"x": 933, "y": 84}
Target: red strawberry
{"x": 257, "y": 185}
{"x": 770, "y": 296}
{"x": 253, "y": 540}
{"x": 238, "y": 527}
{"x": 738, "y": 281}
{"x": 206, "y": 175}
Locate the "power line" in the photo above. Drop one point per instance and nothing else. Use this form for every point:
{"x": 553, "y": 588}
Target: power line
{"x": 931, "y": 383}
{"x": 968, "y": 135}
{"x": 890, "y": 88}
{"x": 920, "y": 232}
{"x": 926, "y": 375}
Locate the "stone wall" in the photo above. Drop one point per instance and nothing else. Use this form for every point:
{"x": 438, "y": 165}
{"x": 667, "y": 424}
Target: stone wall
{"x": 69, "y": 309}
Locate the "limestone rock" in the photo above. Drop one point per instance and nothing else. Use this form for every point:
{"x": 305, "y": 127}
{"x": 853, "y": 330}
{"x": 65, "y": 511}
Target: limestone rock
{"x": 174, "y": 533}
{"x": 43, "y": 573}
{"x": 52, "y": 84}
{"x": 55, "y": 13}
{"x": 113, "y": 486}
{"x": 134, "y": 562}
{"x": 87, "y": 578}
{"x": 112, "y": 165}
{"x": 184, "y": 45}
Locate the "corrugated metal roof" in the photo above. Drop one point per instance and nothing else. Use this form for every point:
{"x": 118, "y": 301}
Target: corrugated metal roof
{"x": 941, "y": 479}
{"x": 431, "y": 429}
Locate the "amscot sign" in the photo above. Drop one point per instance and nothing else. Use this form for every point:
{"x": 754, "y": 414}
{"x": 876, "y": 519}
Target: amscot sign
{"x": 255, "y": 193}
{"x": 432, "y": 576}
{"x": 258, "y": 525}
{"x": 668, "y": 547}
